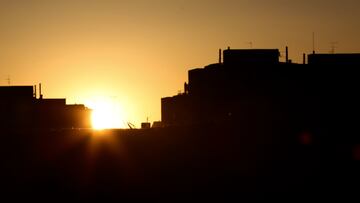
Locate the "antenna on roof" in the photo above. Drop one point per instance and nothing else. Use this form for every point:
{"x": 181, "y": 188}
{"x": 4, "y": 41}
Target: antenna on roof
{"x": 313, "y": 42}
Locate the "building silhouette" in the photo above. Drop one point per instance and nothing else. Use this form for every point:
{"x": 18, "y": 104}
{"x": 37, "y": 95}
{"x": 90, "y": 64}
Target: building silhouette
{"x": 253, "y": 86}
{"x": 21, "y": 109}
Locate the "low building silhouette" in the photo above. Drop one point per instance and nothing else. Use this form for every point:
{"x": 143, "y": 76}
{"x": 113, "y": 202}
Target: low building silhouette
{"x": 20, "y": 109}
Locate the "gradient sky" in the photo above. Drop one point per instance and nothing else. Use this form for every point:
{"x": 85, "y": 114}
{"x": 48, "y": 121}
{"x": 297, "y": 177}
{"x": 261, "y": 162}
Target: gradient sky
{"x": 134, "y": 52}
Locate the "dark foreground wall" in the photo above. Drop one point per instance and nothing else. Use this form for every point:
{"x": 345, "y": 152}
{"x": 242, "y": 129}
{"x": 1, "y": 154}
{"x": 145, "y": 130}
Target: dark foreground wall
{"x": 204, "y": 163}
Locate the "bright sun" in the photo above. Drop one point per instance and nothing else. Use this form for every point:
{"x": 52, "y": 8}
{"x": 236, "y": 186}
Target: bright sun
{"x": 105, "y": 114}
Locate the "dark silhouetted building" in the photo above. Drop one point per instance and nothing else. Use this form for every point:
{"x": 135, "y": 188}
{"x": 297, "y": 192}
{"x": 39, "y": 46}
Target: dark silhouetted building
{"x": 250, "y": 57}
{"x": 145, "y": 125}
{"x": 20, "y": 109}
{"x": 334, "y": 59}
{"x": 253, "y": 86}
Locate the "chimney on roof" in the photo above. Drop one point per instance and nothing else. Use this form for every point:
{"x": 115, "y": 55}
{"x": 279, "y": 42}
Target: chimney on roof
{"x": 304, "y": 55}
{"x": 287, "y": 54}
{"x": 219, "y": 56}
{"x": 41, "y": 96}
{"x": 35, "y": 91}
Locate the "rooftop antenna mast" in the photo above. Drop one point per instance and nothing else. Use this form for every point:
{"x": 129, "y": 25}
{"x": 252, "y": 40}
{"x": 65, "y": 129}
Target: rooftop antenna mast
{"x": 313, "y": 42}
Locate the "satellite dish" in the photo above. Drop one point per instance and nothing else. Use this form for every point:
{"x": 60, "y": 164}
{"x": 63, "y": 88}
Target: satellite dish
{"x": 131, "y": 126}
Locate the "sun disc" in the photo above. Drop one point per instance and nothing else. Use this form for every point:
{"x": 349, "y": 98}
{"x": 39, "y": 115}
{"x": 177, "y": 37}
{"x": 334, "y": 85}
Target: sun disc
{"x": 106, "y": 114}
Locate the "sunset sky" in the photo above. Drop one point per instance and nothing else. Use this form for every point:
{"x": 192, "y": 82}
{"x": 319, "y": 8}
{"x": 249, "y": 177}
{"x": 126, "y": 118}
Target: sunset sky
{"x": 133, "y": 52}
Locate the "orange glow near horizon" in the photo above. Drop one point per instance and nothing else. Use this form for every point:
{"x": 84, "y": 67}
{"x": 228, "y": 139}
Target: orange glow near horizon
{"x": 106, "y": 114}
{"x": 140, "y": 51}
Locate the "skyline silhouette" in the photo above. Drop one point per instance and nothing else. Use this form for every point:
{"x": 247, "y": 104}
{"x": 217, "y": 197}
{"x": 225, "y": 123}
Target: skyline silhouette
{"x": 253, "y": 84}
{"x": 220, "y": 92}
{"x": 136, "y": 104}
{"x": 22, "y": 109}
{"x": 246, "y": 128}
{"x": 120, "y": 50}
